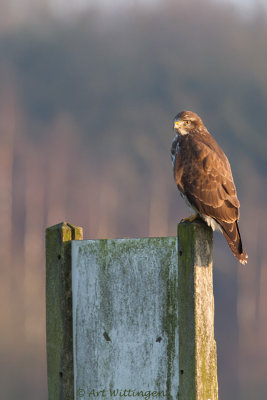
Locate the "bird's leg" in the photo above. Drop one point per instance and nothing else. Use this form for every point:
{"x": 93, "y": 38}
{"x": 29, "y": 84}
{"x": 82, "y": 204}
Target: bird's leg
{"x": 192, "y": 218}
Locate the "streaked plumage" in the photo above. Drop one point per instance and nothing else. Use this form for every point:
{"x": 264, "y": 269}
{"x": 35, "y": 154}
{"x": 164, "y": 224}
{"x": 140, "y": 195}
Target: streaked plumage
{"x": 203, "y": 175}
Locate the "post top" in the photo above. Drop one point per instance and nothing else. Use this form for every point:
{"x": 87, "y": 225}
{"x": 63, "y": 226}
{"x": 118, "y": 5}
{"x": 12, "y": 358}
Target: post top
{"x": 69, "y": 231}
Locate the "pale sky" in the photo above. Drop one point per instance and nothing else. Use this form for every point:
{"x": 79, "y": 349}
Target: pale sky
{"x": 245, "y": 5}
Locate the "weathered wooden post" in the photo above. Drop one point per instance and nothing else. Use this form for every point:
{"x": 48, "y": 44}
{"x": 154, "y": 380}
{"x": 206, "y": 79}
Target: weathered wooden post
{"x": 130, "y": 317}
{"x": 59, "y": 333}
{"x": 197, "y": 346}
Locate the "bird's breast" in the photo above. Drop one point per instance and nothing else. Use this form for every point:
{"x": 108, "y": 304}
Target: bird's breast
{"x": 174, "y": 149}
{"x": 178, "y": 161}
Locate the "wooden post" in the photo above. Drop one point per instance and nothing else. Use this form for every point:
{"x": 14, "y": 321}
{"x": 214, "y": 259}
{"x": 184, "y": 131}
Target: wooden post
{"x": 130, "y": 317}
{"x": 197, "y": 347}
{"x": 59, "y": 310}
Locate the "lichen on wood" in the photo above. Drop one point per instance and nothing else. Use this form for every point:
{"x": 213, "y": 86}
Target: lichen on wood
{"x": 126, "y": 315}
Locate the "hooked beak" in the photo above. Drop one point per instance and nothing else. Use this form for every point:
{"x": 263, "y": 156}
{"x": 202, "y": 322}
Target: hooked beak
{"x": 177, "y": 124}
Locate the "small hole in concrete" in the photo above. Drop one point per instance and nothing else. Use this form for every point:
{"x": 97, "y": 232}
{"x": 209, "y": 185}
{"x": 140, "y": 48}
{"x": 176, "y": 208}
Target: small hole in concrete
{"x": 107, "y": 338}
{"x": 159, "y": 339}
{"x": 180, "y": 252}
{"x": 182, "y": 371}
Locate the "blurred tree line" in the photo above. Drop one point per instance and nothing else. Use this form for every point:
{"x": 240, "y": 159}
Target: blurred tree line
{"x": 86, "y": 109}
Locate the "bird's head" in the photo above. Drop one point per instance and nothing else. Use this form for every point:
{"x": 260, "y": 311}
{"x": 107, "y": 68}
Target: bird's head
{"x": 186, "y": 122}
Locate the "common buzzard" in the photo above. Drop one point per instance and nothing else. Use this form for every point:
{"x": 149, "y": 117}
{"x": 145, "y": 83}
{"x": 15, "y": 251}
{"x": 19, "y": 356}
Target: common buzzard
{"x": 203, "y": 175}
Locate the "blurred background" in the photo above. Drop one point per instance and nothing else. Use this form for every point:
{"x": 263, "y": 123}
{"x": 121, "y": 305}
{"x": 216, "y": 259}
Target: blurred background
{"x": 88, "y": 95}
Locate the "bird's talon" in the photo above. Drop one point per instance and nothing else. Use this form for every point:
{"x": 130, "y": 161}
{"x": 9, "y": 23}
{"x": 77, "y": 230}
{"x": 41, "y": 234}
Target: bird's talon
{"x": 191, "y": 218}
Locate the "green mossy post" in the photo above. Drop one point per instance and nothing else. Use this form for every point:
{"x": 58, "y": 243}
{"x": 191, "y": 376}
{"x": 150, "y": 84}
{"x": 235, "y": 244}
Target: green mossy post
{"x": 197, "y": 347}
{"x": 83, "y": 280}
{"x": 59, "y": 310}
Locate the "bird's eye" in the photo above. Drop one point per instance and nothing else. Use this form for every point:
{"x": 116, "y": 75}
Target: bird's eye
{"x": 187, "y": 122}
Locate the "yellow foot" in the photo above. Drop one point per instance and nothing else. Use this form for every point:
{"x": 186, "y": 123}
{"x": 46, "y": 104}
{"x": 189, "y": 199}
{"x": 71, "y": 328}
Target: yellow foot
{"x": 191, "y": 218}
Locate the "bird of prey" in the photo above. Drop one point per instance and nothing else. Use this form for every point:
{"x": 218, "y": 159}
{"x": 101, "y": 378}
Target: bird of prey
{"x": 203, "y": 176}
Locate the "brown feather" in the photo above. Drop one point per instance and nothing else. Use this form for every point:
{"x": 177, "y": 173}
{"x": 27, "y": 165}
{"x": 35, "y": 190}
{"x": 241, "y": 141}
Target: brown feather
{"x": 203, "y": 174}
{"x": 232, "y": 235}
